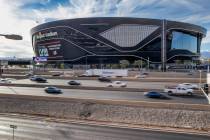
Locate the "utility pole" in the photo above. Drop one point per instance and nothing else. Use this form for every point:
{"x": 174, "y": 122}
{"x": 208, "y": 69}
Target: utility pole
{"x": 0, "y": 68}
{"x": 163, "y": 45}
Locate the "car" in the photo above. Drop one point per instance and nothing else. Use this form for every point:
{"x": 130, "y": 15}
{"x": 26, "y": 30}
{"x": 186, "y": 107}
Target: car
{"x": 32, "y": 78}
{"x": 84, "y": 75}
{"x": 178, "y": 91}
{"x": 75, "y": 83}
{"x": 189, "y": 85}
{"x": 117, "y": 84}
{"x": 154, "y": 94}
{"x": 145, "y": 73}
{"x": 5, "y": 81}
{"x": 41, "y": 80}
{"x": 57, "y": 74}
{"x": 141, "y": 76}
{"x": 38, "y": 79}
{"x": 190, "y": 73}
{"x": 28, "y": 74}
{"x": 104, "y": 79}
{"x": 53, "y": 90}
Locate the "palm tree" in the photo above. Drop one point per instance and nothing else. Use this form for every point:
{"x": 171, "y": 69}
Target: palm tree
{"x": 124, "y": 63}
{"x": 139, "y": 64}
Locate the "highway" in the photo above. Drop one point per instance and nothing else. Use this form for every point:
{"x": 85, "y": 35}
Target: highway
{"x": 32, "y": 128}
{"x": 102, "y": 95}
{"x": 96, "y": 83}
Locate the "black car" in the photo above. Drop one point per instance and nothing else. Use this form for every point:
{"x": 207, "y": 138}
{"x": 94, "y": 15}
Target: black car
{"x": 41, "y": 80}
{"x": 38, "y": 79}
{"x": 57, "y": 74}
{"x": 104, "y": 79}
{"x": 75, "y": 83}
{"x": 145, "y": 73}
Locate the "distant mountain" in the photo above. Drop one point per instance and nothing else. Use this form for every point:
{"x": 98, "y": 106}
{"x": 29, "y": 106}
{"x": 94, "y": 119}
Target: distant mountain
{"x": 205, "y": 54}
{"x": 14, "y": 58}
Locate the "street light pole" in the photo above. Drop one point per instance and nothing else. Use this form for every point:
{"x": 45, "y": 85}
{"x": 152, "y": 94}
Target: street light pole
{"x": 200, "y": 79}
{"x": 12, "y": 36}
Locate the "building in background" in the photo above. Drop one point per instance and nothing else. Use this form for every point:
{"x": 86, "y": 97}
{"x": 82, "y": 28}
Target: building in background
{"x": 110, "y": 39}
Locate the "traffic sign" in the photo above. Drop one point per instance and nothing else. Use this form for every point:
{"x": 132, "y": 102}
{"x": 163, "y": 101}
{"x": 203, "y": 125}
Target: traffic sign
{"x": 208, "y": 78}
{"x": 13, "y": 126}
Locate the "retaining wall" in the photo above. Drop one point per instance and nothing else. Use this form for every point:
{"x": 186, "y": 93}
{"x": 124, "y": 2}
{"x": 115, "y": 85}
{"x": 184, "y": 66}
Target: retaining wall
{"x": 142, "y": 113}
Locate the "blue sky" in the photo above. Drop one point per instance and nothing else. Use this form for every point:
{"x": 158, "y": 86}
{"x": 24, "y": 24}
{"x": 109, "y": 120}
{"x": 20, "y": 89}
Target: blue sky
{"x": 19, "y": 16}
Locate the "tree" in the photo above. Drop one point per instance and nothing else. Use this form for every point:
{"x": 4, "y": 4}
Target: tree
{"x": 114, "y": 66}
{"x": 139, "y": 63}
{"x": 124, "y": 63}
{"x": 178, "y": 61}
{"x": 62, "y": 66}
{"x": 188, "y": 62}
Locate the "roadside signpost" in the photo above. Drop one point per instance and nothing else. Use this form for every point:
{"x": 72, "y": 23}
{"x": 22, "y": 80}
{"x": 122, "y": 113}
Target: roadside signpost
{"x": 208, "y": 83}
{"x": 13, "y": 130}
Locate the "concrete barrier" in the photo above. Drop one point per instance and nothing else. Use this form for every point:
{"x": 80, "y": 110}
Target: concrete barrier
{"x": 139, "y": 113}
{"x": 148, "y": 79}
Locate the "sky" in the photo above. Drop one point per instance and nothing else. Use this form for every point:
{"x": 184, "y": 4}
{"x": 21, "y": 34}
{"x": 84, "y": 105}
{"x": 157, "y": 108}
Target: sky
{"x": 19, "y": 16}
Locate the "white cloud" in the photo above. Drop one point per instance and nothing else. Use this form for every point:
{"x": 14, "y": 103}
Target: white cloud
{"x": 207, "y": 38}
{"x": 12, "y": 24}
{"x": 196, "y": 19}
{"x": 77, "y": 9}
{"x": 184, "y": 4}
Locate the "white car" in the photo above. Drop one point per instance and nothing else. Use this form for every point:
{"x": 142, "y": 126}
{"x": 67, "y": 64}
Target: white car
{"x": 117, "y": 84}
{"x": 188, "y": 85}
{"x": 5, "y": 81}
{"x": 178, "y": 91}
{"x": 140, "y": 76}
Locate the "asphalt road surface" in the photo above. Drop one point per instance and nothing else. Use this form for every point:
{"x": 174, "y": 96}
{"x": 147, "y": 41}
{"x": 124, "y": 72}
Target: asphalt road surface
{"x": 96, "y": 83}
{"x": 40, "y": 129}
{"x": 102, "y": 95}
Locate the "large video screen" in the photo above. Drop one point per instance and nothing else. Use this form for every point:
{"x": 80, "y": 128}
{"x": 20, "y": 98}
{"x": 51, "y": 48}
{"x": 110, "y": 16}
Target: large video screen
{"x": 46, "y": 45}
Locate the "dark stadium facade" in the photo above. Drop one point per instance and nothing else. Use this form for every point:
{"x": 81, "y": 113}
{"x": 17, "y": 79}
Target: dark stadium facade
{"x": 111, "y": 39}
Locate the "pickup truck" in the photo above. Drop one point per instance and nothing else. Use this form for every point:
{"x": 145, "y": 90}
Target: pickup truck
{"x": 178, "y": 91}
